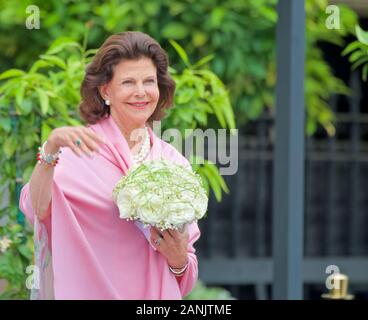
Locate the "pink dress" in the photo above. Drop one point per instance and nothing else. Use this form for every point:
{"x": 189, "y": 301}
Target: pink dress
{"x": 83, "y": 249}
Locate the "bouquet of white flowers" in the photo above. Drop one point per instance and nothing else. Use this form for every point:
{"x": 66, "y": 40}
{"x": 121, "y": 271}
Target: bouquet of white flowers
{"x": 161, "y": 194}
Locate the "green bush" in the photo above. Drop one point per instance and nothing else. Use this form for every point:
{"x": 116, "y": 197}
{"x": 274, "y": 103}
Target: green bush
{"x": 240, "y": 33}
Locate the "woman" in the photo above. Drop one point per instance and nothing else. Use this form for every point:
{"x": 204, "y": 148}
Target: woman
{"x": 82, "y": 248}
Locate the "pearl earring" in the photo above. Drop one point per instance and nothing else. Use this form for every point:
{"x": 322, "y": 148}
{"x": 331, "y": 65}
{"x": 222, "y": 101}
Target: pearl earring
{"x": 107, "y": 102}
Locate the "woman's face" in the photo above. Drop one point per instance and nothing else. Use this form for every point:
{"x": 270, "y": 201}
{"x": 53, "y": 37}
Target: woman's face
{"x": 133, "y": 92}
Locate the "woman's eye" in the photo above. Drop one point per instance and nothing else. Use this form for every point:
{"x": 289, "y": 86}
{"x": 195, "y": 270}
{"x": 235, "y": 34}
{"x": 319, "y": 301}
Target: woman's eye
{"x": 127, "y": 82}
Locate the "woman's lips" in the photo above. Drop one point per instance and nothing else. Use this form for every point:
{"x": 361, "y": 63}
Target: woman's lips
{"x": 138, "y": 105}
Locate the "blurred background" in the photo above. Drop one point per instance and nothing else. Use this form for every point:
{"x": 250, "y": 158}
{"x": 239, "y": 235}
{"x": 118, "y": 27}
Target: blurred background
{"x": 234, "y": 41}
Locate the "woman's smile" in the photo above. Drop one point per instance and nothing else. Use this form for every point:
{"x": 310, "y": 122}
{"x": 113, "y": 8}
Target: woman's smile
{"x": 138, "y": 105}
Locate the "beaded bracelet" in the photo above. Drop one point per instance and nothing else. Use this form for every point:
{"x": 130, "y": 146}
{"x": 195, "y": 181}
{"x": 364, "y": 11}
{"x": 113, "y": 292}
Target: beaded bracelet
{"x": 50, "y": 159}
{"x": 180, "y": 270}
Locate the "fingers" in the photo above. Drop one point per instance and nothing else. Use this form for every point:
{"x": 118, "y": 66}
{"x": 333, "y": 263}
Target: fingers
{"x": 156, "y": 233}
{"x": 171, "y": 233}
{"x": 68, "y": 136}
{"x": 90, "y": 138}
{"x": 167, "y": 234}
{"x": 89, "y": 141}
{"x": 177, "y": 234}
{"x": 97, "y": 139}
{"x": 87, "y": 145}
{"x": 70, "y": 142}
{"x": 82, "y": 147}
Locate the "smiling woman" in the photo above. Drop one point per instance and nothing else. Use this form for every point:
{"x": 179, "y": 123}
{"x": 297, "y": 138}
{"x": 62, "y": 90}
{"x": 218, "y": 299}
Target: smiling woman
{"x": 127, "y": 63}
{"x": 83, "y": 250}
{"x": 132, "y": 93}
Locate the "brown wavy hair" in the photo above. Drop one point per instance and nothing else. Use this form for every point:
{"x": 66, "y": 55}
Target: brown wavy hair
{"x": 130, "y": 45}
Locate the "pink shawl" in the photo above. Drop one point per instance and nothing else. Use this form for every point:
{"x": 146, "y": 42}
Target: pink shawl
{"x": 84, "y": 250}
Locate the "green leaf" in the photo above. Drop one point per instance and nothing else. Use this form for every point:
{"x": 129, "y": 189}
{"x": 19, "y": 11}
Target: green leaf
{"x": 61, "y": 43}
{"x": 181, "y": 52}
{"x": 218, "y": 112}
{"x": 26, "y": 107}
{"x": 217, "y": 16}
{"x": 216, "y": 175}
{"x": 201, "y": 117}
{"x": 9, "y": 147}
{"x": 215, "y": 186}
{"x": 11, "y": 73}
{"x": 365, "y": 72}
{"x": 229, "y": 114}
{"x": 199, "y": 38}
{"x": 311, "y": 126}
{"x": 25, "y": 251}
{"x": 74, "y": 122}
{"x": 361, "y": 35}
{"x": 357, "y": 55}
{"x": 38, "y": 65}
{"x": 90, "y": 52}
{"x": 19, "y": 95}
{"x": 185, "y": 114}
{"x": 203, "y": 61}
{"x": 359, "y": 62}
{"x": 54, "y": 60}
{"x": 185, "y": 95}
{"x": 27, "y": 173}
{"x": 255, "y": 108}
{"x": 44, "y": 100}
{"x": 45, "y": 131}
{"x": 30, "y": 140}
{"x": 204, "y": 178}
{"x": 175, "y": 30}
{"x": 351, "y": 47}
{"x": 5, "y": 123}
{"x": 172, "y": 70}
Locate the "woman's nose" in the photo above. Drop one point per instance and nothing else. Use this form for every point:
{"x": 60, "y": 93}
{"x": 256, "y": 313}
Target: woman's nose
{"x": 140, "y": 90}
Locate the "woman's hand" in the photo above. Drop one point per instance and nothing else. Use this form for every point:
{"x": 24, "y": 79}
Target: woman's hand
{"x": 79, "y": 139}
{"x": 173, "y": 245}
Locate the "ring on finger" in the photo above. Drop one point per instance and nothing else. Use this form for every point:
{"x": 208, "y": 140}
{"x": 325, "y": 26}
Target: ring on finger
{"x": 78, "y": 142}
{"x": 158, "y": 240}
